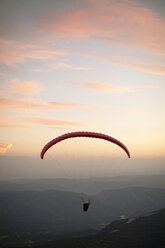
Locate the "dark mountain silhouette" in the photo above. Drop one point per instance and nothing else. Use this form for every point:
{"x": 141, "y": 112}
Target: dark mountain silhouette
{"x": 37, "y": 216}
{"x": 146, "y": 231}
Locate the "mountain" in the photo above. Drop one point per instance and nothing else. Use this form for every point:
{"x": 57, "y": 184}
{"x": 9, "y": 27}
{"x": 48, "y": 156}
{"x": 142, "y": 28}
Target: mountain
{"x": 39, "y": 216}
{"x": 86, "y": 185}
{"x": 147, "y": 231}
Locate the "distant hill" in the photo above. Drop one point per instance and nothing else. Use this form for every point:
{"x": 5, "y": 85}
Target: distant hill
{"x": 39, "y": 216}
{"x": 146, "y": 231}
{"x": 87, "y": 185}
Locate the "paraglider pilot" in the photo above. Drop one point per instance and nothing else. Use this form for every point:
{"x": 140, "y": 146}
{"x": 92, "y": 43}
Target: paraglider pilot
{"x": 86, "y": 206}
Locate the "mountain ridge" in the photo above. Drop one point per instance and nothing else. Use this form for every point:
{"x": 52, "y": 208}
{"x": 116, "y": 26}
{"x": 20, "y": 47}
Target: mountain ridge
{"x": 86, "y": 185}
{"x": 146, "y": 231}
{"x": 47, "y": 215}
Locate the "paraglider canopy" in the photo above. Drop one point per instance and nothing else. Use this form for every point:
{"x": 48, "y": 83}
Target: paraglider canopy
{"x": 83, "y": 134}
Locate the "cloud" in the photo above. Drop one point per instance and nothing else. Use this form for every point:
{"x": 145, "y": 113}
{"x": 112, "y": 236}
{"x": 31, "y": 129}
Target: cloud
{"x": 53, "y": 122}
{"x": 160, "y": 70}
{"x": 13, "y": 125}
{"x": 4, "y": 148}
{"x": 12, "y": 52}
{"x": 24, "y": 122}
{"x": 1, "y": 93}
{"x": 126, "y": 23}
{"x": 12, "y": 122}
{"x": 153, "y": 86}
{"x": 61, "y": 65}
{"x": 25, "y": 88}
{"x": 134, "y": 112}
{"x": 25, "y": 104}
{"x": 134, "y": 63}
{"x": 107, "y": 88}
{"x": 113, "y": 89}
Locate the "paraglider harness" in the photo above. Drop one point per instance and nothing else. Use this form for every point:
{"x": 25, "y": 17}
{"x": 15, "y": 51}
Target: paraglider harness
{"x": 86, "y": 206}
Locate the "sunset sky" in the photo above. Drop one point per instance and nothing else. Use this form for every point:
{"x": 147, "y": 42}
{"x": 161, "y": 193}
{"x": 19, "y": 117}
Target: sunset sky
{"x": 89, "y": 65}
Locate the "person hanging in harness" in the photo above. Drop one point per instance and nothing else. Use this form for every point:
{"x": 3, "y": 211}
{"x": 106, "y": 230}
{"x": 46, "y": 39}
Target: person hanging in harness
{"x": 86, "y": 206}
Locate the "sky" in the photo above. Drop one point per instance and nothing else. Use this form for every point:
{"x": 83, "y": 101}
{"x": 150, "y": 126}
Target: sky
{"x": 81, "y": 65}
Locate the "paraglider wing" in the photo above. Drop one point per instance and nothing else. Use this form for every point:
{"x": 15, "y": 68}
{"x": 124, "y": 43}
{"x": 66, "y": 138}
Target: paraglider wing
{"x": 83, "y": 134}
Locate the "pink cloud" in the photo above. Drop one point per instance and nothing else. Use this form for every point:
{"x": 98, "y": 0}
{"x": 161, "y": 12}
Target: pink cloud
{"x": 160, "y": 70}
{"x": 12, "y": 122}
{"x": 134, "y": 63}
{"x": 126, "y": 23}
{"x": 24, "y": 122}
{"x": 35, "y": 104}
{"x": 1, "y": 93}
{"x": 13, "y": 125}
{"x": 12, "y": 52}
{"x": 61, "y": 65}
{"x": 113, "y": 89}
{"x": 107, "y": 88}
{"x": 25, "y": 88}
{"x": 140, "y": 67}
{"x": 54, "y": 122}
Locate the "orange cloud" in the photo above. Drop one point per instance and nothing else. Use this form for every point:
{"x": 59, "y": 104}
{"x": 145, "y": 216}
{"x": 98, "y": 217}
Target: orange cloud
{"x": 126, "y": 23}
{"x": 4, "y": 148}
{"x": 35, "y": 104}
{"x": 107, "y": 88}
{"x": 12, "y": 52}
{"x": 25, "y": 88}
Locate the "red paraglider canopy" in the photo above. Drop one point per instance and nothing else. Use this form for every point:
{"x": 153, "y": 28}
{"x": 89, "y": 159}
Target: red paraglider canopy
{"x": 83, "y": 134}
